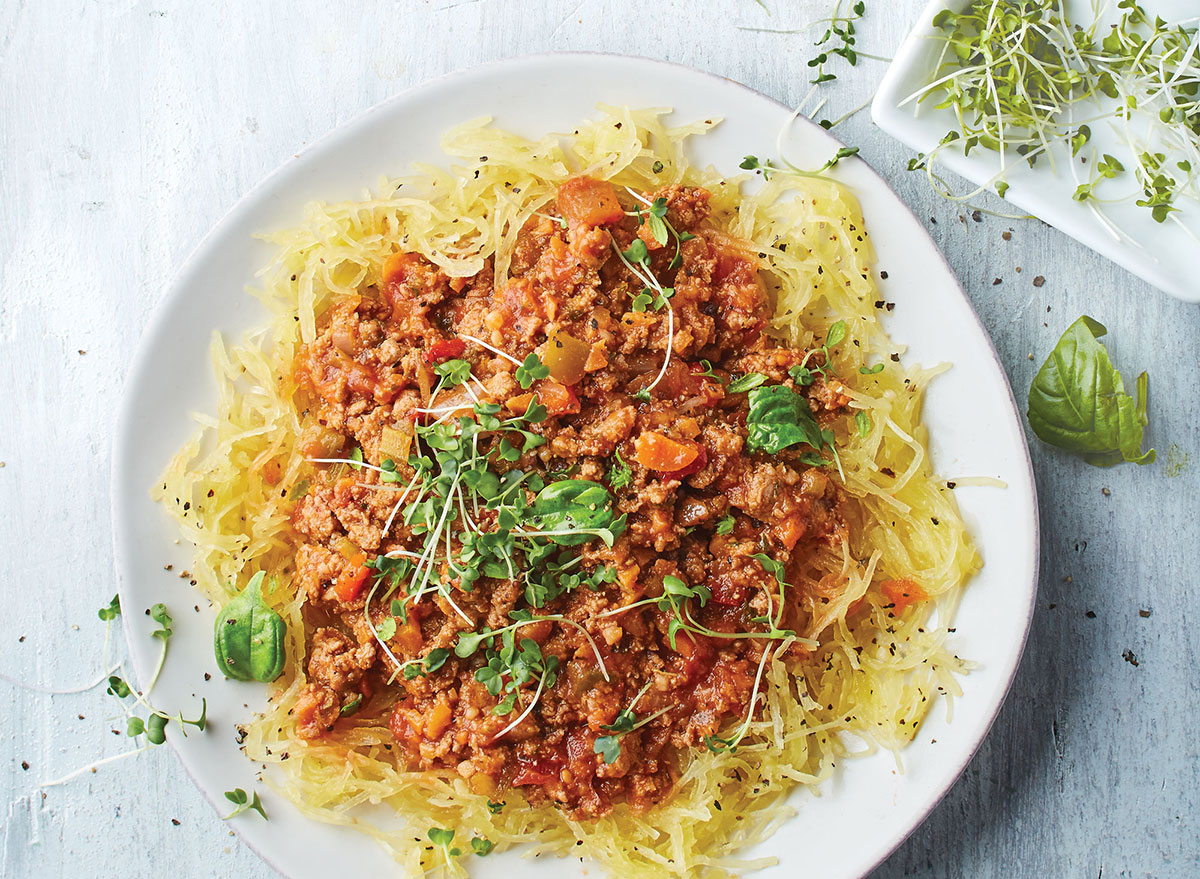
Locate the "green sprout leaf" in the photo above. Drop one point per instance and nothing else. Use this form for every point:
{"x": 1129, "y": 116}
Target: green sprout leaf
{"x": 112, "y": 611}
{"x": 159, "y": 614}
{"x": 530, "y": 370}
{"x": 746, "y": 382}
{"x": 244, "y": 802}
{"x": 608, "y": 747}
{"x": 453, "y": 372}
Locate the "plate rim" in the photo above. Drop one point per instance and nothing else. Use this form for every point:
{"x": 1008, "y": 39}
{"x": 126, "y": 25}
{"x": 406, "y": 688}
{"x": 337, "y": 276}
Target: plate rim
{"x": 173, "y": 290}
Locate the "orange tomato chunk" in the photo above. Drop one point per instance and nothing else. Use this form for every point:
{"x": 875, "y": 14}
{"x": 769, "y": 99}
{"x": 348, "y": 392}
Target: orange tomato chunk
{"x": 585, "y": 201}
{"x": 901, "y": 593}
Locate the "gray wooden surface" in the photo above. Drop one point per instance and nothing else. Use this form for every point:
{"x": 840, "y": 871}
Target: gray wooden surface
{"x": 128, "y": 128}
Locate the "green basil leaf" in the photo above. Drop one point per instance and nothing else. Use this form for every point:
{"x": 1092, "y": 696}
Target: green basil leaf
{"x": 572, "y": 505}
{"x": 779, "y": 418}
{"x": 248, "y": 638}
{"x": 1078, "y": 401}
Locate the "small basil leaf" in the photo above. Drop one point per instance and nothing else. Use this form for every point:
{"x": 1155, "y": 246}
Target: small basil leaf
{"x": 779, "y": 418}
{"x": 248, "y": 638}
{"x": 572, "y": 505}
{"x": 1078, "y": 401}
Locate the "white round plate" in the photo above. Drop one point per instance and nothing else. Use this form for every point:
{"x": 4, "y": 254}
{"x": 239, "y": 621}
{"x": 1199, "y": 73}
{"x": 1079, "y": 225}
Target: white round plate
{"x": 870, "y": 807}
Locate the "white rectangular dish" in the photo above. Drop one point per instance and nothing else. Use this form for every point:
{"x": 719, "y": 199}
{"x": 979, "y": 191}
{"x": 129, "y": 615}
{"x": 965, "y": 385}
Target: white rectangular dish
{"x": 1165, "y": 254}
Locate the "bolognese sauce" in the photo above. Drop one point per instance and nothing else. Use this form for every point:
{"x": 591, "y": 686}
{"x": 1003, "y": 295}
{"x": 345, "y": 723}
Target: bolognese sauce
{"x": 640, "y": 392}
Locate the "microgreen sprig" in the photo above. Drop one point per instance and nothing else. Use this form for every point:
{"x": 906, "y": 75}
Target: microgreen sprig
{"x": 717, "y": 744}
{"x": 766, "y": 167}
{"x": 626, "y": 721}
{"x": 442, "y": 837}
{"x": 1015, "y": 73}
{"x": 153, "y": 726}
{"x": 244, "y": 802}
{"x": 676, "y": 599}
{"x": 619, "y": 473}
{"x": 803, "y": 374}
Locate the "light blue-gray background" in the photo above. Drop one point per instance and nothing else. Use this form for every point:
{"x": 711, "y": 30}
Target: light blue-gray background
{"x": 128, "y": 128}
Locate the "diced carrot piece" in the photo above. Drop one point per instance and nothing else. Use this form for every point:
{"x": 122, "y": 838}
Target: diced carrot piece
{"x": 790, "y": 530}
{"x": 519, "y": 403}
{"x": 438, "y": 720}
{"x": 901, "y": 593}
{"x": 656, "y": 451}
{"x": 271, "y": 472}
{"x": 695, "y": 467}
{"x": 585, "y": 201}
{"x": 395, "y": 267}
{"x": 597, "y": 357}
{"x": 350, "y": 584}
{"x": 408, "y": 635}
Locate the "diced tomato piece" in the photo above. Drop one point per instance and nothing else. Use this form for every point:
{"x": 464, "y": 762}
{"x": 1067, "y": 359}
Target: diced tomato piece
{"x": 902, "y": 593}
{"x": 697, "y": 652}
{"x": 585, "y": 201}
{"x": 396, "y": 267}
{"x": 657, "y": 451}
{"x": 350, "y": 584}
{"x": 541, "y": 770}
{"x": 557, "y": 398}
{"x": 445, "y": 349}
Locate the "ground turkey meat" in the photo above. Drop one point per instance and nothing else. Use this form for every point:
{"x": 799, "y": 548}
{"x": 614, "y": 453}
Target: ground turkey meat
{"x": 636, "y": 399}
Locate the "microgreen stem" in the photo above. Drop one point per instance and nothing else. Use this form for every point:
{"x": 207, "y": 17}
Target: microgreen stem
{"x": 494, "y": 350}
{"x": 375, "y": 632}
{"x": 536, "y": 695}
{"x": 762, "y": 664}
{"x": 92, "y": 767}
{"x": 35, "y": 688}
{"x": 349, "y": 461}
